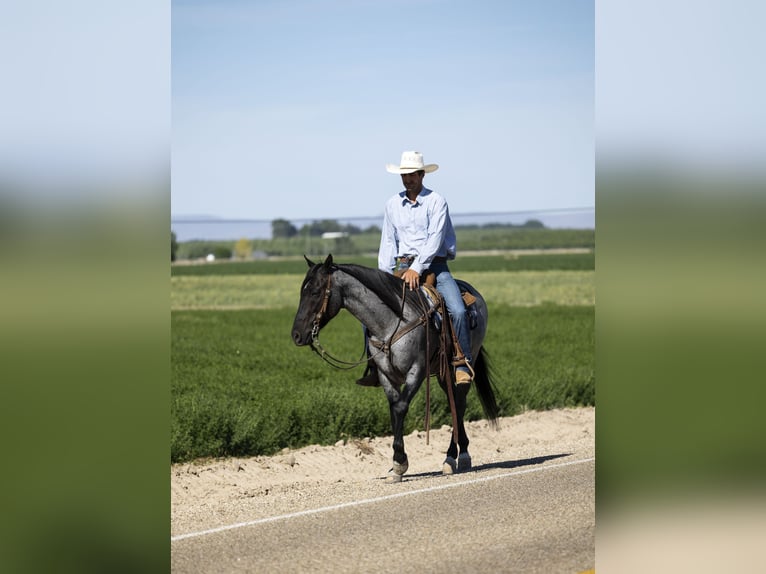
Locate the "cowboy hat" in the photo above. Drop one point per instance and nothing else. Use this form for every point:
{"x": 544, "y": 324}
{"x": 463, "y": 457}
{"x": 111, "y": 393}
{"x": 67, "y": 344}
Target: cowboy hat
{"x": 412, "y": 161}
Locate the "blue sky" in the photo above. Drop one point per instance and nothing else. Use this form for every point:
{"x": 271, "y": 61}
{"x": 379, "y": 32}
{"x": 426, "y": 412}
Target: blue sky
{"x": 86, "y": 95}
{"x": 292, "y": 109}
{"x": 682, "y": 81}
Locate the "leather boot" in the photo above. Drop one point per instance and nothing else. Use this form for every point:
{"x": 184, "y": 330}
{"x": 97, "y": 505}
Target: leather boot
{"x": 463, "y": 377}
{"x": 370, "y": 377}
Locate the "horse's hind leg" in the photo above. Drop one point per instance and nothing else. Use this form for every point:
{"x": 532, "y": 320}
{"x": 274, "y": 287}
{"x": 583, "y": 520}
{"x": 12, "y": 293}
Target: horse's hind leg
{"x": 464, "y": 459}
{"x": 454, "y": 462}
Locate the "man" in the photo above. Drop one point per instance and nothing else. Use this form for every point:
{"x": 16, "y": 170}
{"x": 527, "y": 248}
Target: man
{"x": 417, "y": 236}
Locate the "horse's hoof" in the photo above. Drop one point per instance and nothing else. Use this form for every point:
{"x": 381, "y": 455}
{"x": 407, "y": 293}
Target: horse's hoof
{"x": 449, "y": 466}
{"x": 463, "y": 462}
{"x": 393, "y": 478}
{"x": 400, "y": 469}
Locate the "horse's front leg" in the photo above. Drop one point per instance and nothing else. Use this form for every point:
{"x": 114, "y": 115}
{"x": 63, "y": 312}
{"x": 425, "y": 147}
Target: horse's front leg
{"x": 399, "y": 404}
{"x": 398, "y": 410}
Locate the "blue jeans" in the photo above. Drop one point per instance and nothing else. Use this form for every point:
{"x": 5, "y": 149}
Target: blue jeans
{"x": 448, "y": 289}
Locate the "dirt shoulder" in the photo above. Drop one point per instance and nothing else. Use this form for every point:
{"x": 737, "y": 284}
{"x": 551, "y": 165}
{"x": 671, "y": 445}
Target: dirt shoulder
{"x": 215, "y": 493}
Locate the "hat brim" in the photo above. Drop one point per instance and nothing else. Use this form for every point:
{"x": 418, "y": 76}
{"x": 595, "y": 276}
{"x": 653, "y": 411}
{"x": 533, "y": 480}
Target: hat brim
{"x": 428, "y": 168}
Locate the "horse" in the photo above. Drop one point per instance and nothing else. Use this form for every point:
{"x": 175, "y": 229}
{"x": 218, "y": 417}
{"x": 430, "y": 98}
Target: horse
{"x": 401, "y": 335}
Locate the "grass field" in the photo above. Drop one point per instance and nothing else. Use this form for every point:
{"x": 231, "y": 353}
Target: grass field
{"x": 510, "y": 261}
{"x": 240, "y": 387}
{"x": 233, "y": 292}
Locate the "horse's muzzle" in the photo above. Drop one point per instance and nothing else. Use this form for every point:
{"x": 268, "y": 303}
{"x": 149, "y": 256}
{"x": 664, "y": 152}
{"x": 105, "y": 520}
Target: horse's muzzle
{"x": 300, "y": 339}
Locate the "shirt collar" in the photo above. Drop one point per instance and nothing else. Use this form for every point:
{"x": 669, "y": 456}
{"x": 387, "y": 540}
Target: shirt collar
{"x": 423, "y": 192}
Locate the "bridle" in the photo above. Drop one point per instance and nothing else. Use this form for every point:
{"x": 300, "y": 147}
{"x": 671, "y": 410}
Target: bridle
{"x": 322, "y": 309}
{"x": 317, "y": 347}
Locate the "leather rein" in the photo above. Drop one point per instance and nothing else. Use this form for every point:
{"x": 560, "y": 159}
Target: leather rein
{"x": 385, "y": 347}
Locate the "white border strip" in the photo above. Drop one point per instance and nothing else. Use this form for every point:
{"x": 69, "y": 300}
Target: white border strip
{"x": 373, "y": 500}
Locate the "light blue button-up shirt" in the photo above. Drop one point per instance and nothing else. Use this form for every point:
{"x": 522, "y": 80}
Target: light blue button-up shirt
{"x": 422, "y": 229}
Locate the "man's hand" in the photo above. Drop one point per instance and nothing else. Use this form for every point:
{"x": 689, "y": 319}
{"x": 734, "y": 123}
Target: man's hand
{"x": 411, "y": 278}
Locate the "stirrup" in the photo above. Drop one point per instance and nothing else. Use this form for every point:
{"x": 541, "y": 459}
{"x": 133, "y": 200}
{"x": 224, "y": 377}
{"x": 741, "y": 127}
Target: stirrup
{"x": 459, "y": 361}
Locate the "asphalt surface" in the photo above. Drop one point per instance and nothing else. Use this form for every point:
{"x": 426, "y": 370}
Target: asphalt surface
{"x": 534, "y": 518}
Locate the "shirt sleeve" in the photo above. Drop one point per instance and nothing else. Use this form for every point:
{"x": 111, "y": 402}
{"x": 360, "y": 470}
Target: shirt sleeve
{"x": 437, "y": 229}
{"x": 388, "y": 247}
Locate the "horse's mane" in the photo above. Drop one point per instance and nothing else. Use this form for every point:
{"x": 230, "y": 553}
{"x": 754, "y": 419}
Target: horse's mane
{"x": 387, "y": 287}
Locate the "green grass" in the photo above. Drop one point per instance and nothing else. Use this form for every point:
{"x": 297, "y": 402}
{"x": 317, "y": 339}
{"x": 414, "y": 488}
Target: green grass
{"x": 234, "y": 292}
{"x": 240, "y": 387}
{"x": 563, "y": 279}
{"x": 297, "y": 265}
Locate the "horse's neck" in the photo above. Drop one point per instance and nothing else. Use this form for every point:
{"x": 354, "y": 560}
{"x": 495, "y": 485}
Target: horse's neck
{"x": 366, "y": 306}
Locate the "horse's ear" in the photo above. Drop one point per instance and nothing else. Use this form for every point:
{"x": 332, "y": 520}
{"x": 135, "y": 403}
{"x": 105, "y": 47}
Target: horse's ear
{"x": 328, "y": 261}
{"x": 309, "y": 261}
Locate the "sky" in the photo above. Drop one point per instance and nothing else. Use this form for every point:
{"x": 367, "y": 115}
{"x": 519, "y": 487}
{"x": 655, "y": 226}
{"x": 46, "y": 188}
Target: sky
{"x": 293, "y": 109}
{"x": 682, "y": 81}
{"x": 84, "y": 101}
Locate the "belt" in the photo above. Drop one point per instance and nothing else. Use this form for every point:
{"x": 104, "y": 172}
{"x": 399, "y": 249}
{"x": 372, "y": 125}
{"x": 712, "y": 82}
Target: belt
{"x": 410, "y": 258}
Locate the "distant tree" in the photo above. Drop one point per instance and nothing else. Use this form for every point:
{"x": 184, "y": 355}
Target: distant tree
{"x": 173, "y": 246}
{"x": 533, "y": 224}
{"x": 282, "y": 229}
{"x": 221, "y": 252}
{"x": 314, "y": 229}
{"x": 317, "y": 228}
{"x": 351, "y": 229}
{"x": 340, "y": 245}
{"x": 243, "y": 249}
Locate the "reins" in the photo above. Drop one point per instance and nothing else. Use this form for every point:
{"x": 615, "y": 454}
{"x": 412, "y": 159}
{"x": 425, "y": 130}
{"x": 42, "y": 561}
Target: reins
{"x": 385, "y": 347}
{"x": 340, "y": 364}
{"x": 317, "y": 347}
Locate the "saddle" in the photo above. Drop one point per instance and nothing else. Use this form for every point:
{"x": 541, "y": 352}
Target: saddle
{"x": 434, "y": 298}
{"x": 428, "y": 286}
{"x": 429, "y": 283}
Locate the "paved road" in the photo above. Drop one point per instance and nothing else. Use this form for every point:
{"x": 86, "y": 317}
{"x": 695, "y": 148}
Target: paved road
{"x": 535, "y": 518}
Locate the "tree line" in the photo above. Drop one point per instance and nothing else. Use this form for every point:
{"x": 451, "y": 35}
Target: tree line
{"x": 283, "y": 229}
{"x": 286, "y": 238}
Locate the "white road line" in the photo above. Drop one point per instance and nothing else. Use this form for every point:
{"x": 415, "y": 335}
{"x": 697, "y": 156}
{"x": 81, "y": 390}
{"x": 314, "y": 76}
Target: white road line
{"x": 373, "y": 500}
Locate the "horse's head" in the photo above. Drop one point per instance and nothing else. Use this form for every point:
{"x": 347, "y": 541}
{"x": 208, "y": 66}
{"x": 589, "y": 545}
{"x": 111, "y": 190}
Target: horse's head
{"x": 316, "y": 306}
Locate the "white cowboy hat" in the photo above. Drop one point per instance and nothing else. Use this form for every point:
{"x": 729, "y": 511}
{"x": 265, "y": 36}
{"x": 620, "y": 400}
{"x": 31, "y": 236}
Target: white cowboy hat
{"x": 412, "y": 161}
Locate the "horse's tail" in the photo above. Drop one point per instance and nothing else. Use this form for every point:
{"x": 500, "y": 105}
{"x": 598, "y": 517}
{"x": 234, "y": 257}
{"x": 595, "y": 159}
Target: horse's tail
{"x": 483, "y": 375}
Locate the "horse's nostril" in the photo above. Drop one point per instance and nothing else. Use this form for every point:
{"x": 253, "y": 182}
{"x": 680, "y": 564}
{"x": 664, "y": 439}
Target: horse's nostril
{"x": 297, "y": 337}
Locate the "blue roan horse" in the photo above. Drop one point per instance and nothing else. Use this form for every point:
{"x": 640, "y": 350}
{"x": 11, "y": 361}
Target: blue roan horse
{"x": 400, "y": 340}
